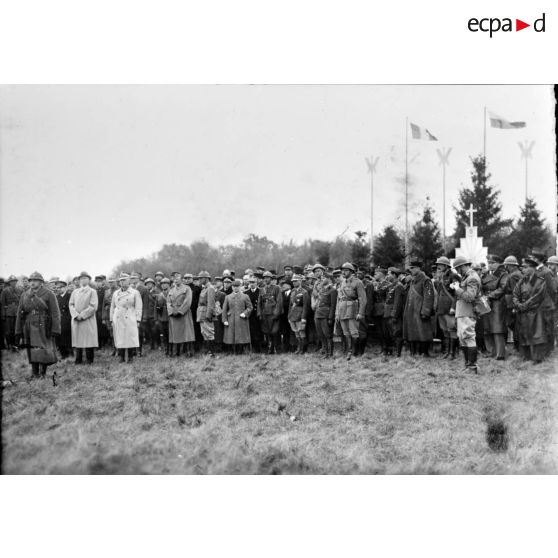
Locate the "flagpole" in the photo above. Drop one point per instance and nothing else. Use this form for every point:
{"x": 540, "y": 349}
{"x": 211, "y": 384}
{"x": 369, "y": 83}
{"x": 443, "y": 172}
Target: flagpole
{"x": 406, "y": 188}
{"x": 484, "y": 137}
{"x": 444, "y": 203}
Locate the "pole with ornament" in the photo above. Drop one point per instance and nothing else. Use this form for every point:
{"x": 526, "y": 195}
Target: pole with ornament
{"x": 443, "y": 155}
{"x": 526, "y": 149}
{"x": 371, "y": 164}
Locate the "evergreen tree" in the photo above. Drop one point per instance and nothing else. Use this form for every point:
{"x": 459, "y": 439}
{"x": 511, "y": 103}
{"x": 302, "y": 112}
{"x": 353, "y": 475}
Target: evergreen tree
{"x": 528, "y": 233}
{"x": 484, "y": 198}
{"x": 388, "y": 248}
{"x": 426, "y": 240}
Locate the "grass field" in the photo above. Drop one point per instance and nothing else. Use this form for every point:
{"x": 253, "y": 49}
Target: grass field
{"x": 280, "y": 415}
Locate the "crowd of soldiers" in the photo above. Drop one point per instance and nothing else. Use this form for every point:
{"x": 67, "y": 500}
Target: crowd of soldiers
{"x": 338, "y": 312}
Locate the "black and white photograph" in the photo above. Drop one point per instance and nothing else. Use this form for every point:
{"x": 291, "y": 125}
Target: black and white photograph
{"x": 278, "y": 279}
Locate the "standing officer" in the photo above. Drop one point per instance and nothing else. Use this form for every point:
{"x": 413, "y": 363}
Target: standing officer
{"x": 417, "y": 323}
{"x": 83, "y": 307}
{"x": 253, "y": 293}
{"x": 270, "y": 307}
{"x": 162, "y": 314}
{"x": 514, "y": 276}
{"x": 393, "y": 311}
{"x": 380, "y": 293}
{"x": 324, "y": 314}
{"x": 351, "y": 305}
{"x": 493, "y": 285}
{"x": 548, "y": 306}
{"x": 64, "y": 340}
{"x": 9, "y": 301}
{"x": 298, "y": 312}
{"x": 206, "y": 311}
{"x": 445, "y": 308}
{"x": 467, "y": 292}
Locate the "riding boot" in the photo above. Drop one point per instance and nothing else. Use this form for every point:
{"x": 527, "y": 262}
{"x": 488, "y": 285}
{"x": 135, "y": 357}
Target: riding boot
{"x": 425, "y": 347}
{"x": 79, "y": 356}
{"x": 35, "y": 369}
{"x": 178, "y": 349}
{"x": 42, "y": 370}
{"x": 466, "y": 355}
{"x": 303, "y": 345}
{"x": 210, "y": 349}
{"x": 349, "y": 346}
{"x": 453, "y": 348}
{"x": 398, "y": 346}
{"x": 330, "y": 348}
{"x": 121, "y": 355}
{"x": 446, "y": 347}
{"x": 473, "y": 360}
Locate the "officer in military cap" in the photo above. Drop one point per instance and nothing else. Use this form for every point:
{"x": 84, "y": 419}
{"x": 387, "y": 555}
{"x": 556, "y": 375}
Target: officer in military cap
{"x": 445, "y": 306}
{"x": 381, "y": 286}
{"x": 299, "y": 305}
{"x": 548, "y": 306}
{"x": 419, "y": 307}
{"x": 467, "y": 291}
{"x": 351, "y": 305}
{"x": 206, "y": 312}
{"x": 493, "y": 286}
{"x": 270, "y": 308}
{"x": 514, "y": 276}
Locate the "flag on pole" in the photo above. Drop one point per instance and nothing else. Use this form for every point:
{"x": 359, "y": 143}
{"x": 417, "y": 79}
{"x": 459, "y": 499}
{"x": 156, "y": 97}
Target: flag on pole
{"x": 499, "y": 122}
{"x": 421, "y": 133}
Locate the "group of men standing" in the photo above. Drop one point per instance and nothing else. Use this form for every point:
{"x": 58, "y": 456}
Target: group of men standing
{"x": 464, "y": 305}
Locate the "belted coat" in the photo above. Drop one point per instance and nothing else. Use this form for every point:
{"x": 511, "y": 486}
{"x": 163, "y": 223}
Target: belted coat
{"x": 125, "y": 312}
{"x": 83, "y": 305}
{"x": 238, "y": 330}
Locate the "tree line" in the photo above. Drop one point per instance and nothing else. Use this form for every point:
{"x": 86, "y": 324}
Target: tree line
{"x": 503, "y": 236}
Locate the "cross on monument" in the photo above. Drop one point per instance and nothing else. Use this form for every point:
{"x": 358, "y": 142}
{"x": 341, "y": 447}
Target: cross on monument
{"x": 470, "y": 211}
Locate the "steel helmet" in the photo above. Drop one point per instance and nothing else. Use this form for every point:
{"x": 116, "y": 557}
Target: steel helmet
{"x": 552, "y": 260}
{"x": 349, "y": 266}
{"x": 511, "y": 260}
{"x": 442, "y": 260}
{"x": 204, "y": 274}
{"x": 460, "y": 260}
{"x": 268, "y": 274}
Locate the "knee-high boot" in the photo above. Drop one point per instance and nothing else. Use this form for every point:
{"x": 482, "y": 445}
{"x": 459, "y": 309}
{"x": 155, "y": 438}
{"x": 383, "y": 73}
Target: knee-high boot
{"x": 349, "y": 346}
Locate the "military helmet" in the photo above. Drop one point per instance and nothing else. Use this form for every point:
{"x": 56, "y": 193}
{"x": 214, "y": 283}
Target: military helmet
{"x": 204, "y": 274}
{"x": 268, "y": 274}
{"x": 349, "y": 266}
{"x": 36, "y": 275}
{"x": 159, "y": 273}
{"x": 511, "y": 260}
{"x": 442, "y": 260}
{"x": 297, "y": 277}
{"x": 149, "y": 280}
{"x": 123, "y": 276}
{"x": 11, "y": 278}
{"x": 318, "y": 266}
{"x": 84, "y": 274}
{"x": 460, "y": 260}
{"x": 552, "y": 260}
{"x": 165, "y": 280}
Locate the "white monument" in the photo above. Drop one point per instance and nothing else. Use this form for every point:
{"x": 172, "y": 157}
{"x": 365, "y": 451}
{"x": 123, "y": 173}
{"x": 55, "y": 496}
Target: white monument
{"x": 471, "y": 246}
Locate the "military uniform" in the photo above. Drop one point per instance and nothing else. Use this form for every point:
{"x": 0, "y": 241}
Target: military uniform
{"x": 493, "y": 286}
{"x": 64, "y": 340}
{"x": 351, "y": 302}
{"x": 445, "y": 311}
{"x": 324, "y": 314}
{"x": 254, "y": 321}
{"x": 419, "y": 306}
{"x": 393, "y": 317}
{"x": 270, "y": 307}
{"x": 9, "y": 302}
{"x": 162, "y": 319}
{"x": 548, "y": 306}
{"x": 299, "y": 306}
{"x": 513, "y": 279}
{"x": 378, "y": 315}
{"x": 206, "y": 314}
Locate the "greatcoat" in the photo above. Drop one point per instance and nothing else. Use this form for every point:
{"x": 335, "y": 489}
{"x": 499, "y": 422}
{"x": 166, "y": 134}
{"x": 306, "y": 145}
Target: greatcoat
{"x": 179, "y": 307}
{"x": 417, "y": 325}
{"x": 83, "y": 304}
{"x": 528, "y": 301}
{"x": 238, "y": 330}
{"x": 38, "y": 318}
{"x": 494, "y": 287}
{"x": 125, "y": 313}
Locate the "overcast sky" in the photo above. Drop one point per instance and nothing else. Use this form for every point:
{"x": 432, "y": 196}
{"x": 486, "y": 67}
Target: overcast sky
{"x": 90, "y": 175}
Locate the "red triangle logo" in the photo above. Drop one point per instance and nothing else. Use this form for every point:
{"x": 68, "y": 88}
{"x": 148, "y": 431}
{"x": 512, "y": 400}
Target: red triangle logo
{"x": 519, "y": 25}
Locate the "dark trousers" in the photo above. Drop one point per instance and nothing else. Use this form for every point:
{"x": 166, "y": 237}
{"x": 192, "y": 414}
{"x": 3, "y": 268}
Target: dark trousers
{"x": 89, "y": 355}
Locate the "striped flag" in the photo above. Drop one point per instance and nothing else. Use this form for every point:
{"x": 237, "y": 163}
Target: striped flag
{"x": 499, "y": 122}
{"x": 421, "y": 133}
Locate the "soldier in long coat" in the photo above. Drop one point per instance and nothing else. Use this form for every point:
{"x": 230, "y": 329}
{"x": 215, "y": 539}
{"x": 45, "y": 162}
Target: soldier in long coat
{"x": 38, "y": 323}
{"x": 181, "y": 324}
{"x": 351, "y": 306}
{"x": 162, "y": 313}
{"x": 219, "y": 301}
{"x": 514, "y": 276}
{"x": 125, "y": 316}
{"x": 9, "y": 302}
{"x": 144, "y": 331}
{"x": 528, "y": 300}
{"x": 253, "y": 293}
{"x": 493, "y": 286}
{"x": 299, "y": 308}
{"x": 549, "y": 303}
{"x": 107, "y": 301}
{"x": 236, "y": 311}
{"x": 378, "y": 307}
{"x": 417, "y": 325}
{"x": 150, "y": 300}
{"x": 196, "y": 291}
{"x": 83, "y": 307}
{"x": 100, "y": 286}
{"x": 64, "y": 340}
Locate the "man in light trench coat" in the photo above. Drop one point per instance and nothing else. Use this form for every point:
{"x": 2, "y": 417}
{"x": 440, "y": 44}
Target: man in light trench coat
{"x": 83, "y": 307}
{"x": 126, "y": 310}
